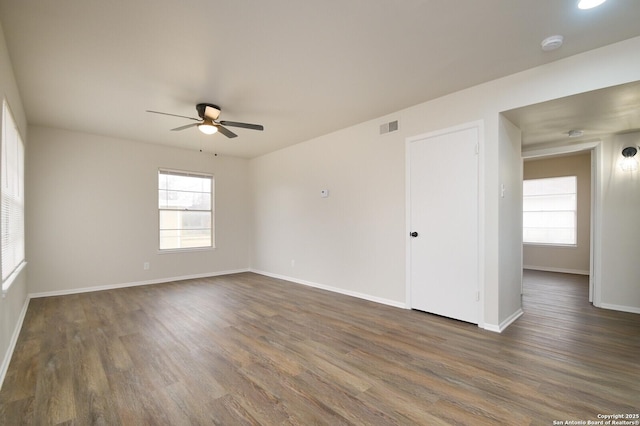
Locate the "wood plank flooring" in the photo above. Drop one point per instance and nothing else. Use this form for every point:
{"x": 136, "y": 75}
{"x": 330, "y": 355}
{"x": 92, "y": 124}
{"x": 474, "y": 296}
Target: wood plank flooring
{"x": 247, "y": 349}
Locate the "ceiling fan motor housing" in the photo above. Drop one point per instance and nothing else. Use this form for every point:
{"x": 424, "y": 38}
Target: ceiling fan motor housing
{"x": 210, "y": 111}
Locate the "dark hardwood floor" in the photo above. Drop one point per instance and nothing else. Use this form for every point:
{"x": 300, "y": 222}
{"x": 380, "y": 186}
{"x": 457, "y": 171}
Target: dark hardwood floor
{"x": 246, "y": 349}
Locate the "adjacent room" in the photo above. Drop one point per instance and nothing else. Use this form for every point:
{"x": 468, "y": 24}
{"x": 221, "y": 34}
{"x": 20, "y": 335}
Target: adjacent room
{"x": 364, "y": 212}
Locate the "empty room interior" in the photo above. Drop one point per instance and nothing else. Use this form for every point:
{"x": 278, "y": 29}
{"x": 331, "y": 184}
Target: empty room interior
{"x": 364, "y": 212}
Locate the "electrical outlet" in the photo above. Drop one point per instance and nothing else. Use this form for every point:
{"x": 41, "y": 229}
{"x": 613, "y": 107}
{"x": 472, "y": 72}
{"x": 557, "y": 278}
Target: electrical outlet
{"x": 146, "y": 266}
{"x": 293, "y": 263}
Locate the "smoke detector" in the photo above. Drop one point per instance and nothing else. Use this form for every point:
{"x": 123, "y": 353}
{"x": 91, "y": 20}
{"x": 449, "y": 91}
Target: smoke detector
{"x": 552, "y": 43}
{"x": 575, "y": 133}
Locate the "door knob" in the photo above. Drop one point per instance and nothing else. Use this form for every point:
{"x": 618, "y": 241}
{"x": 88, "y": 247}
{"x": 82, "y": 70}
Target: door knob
{"x": 414, "y": 234}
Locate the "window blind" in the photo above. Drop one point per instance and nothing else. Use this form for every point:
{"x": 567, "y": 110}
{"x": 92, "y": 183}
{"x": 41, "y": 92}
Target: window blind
{"x": 12, "y": 195}
{"x": 185, "y": 202}
{"x": 550, "y": 210}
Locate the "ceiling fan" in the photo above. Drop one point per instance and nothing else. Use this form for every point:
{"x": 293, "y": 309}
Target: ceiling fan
{"x": 208, "y": 122}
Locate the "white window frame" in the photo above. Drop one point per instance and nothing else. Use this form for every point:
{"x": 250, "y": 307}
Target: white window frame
{"x": 12, "y": 234}
{"x": 184, "y": 245}
{"x": 547, "y": 200}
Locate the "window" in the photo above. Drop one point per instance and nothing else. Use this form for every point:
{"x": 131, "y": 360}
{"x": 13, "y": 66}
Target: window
{"x": 12, "y": 194}
{"x": 185, "y": 202}
{"x": 549, "y": 211}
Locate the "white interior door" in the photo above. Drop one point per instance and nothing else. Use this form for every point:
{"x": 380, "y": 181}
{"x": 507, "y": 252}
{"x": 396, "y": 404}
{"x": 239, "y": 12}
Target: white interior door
{"x": 443, "y": 179}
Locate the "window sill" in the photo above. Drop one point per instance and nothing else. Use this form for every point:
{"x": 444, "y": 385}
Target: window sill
{"x": 185, "y": 250}
{"x": 6, "y": 285}
{"x": 550, "y": 245}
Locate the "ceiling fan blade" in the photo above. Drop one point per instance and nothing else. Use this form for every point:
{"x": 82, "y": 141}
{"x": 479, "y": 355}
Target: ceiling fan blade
{"x": 174, "y": 115}
{"x": 228, "y": 133}
{"x": 243, "y": 125}
{"x": 185, "y": 127}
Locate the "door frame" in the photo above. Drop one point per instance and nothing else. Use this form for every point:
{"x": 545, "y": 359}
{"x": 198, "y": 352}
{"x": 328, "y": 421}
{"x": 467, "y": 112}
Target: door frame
{"x": 479, "y": 125}
{"x": 595, "y": 263}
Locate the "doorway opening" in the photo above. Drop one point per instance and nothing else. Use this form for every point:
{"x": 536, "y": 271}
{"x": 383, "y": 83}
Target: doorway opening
{"x": 581, "y": 259}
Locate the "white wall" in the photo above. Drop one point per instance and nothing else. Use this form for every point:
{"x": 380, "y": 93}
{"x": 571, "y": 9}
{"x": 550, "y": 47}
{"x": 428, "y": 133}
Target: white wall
{"x": 12, "y": 305}
{"x": 510, "y": 222}
{"x": 347, "y": 241}
{"x": 355, "y": 240}
{"x": 92, "y": 217}
{"x": 620, "y": 229}
{"x": 558, "y": 258}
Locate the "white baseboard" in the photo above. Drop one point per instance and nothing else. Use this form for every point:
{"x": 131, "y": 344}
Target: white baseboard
{"x": 504, "y": 324}
{"x": 364, "y": 296}
{"x": 622, "y": 308}
{"x": 133, "y": 284}
{"x": 491, "y": 327}
{"x": 560, "y": 270}
{"x": 12, "y": 344}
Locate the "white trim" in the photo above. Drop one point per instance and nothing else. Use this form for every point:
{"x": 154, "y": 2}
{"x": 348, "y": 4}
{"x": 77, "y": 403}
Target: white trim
{"x": 211, "y": 210}
{"x": 546, "y": 189}
{"x": 185, "y": 250}
{"x": 560, "y": 270}
{"x": 479, "y": 125}
{"x": 407, "y": 221}
{"x": 14, "y": 340}
{"x": 332, "y": 289}
{"x": 504, "y": 324}
{"x": 8, "y": 125}
{"x": 561, "y": 149}
{"x": 595, "y": 267}
{"x": 133, "y": 284}
{"x": 570, "y": 246}
{"x": 6, "y": 285}
{"x": 481, "y": 221}
{"x": 177, "y": 172}
{"x": 492, "y": 327}
{"x": 595, "y": 276}
{"x": 630, "y": 309}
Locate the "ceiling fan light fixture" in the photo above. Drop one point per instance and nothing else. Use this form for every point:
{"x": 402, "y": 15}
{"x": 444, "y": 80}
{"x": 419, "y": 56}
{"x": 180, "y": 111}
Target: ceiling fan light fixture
{"x": 208, "y": 122}
{"x": 589, "y": 4}
{"x": 207, "y": 127}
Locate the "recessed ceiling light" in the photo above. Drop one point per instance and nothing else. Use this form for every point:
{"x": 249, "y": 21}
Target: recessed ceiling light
{"x": 552, "y": 43}
{"x": 589, "y": 4}
{"x": 575, "y": 133}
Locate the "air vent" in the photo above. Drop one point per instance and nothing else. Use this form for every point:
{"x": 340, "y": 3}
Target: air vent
{"x": 392, "y": 126}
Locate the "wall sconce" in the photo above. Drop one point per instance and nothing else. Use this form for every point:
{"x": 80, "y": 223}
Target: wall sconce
{"x": 629, "y": 162}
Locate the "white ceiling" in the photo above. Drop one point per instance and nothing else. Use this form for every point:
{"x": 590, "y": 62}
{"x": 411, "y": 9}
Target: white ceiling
{"x": 596, "y": 114}
{"x": 300, "y": 68}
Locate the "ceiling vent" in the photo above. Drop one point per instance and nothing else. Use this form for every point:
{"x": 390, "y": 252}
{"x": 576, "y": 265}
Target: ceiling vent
{"x": 389, "y": 127}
